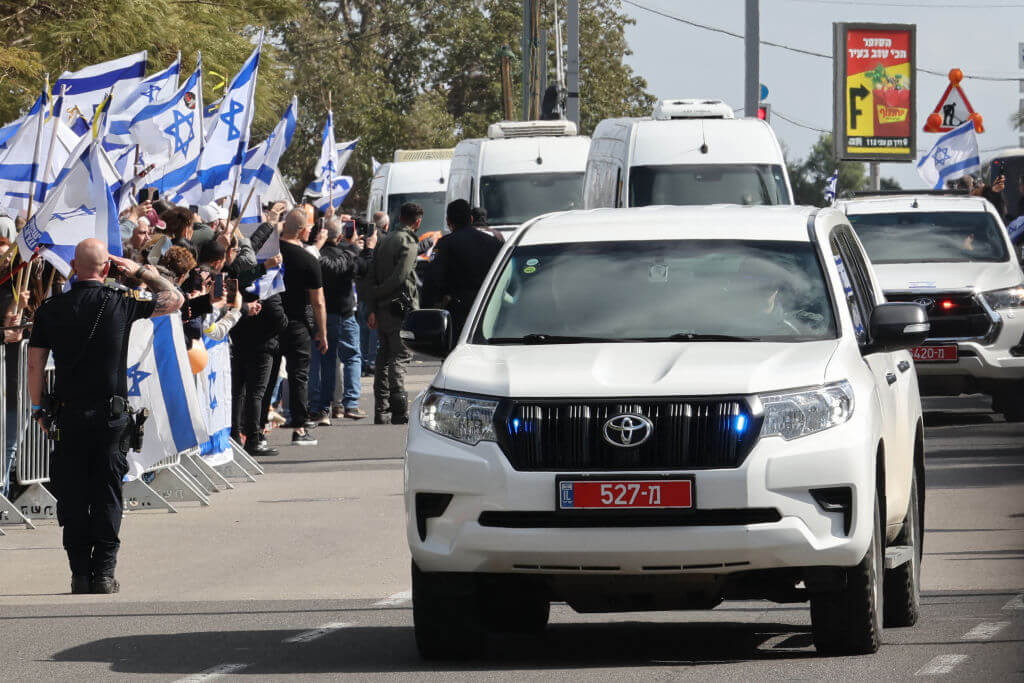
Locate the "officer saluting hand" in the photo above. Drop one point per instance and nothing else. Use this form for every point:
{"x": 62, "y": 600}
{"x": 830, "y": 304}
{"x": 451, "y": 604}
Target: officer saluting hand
{"x": 87, "y": 330}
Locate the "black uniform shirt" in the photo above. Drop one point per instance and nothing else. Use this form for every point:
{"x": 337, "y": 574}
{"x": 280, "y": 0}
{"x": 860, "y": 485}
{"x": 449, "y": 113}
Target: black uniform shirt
{"x": 97, "y": 370}
{"x": 461, "y": 261}
{"x": 301, "y": 273}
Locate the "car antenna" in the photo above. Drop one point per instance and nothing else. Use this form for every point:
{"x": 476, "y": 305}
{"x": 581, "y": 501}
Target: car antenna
{"x": 704, "y": 139}
{"x": 914, "y": 205}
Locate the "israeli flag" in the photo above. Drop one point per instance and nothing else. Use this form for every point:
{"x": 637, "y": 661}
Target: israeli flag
{"x": 153, "y": 89}
{"x": 8, "y": 131}
{"x": 215, "y": 399}
{"x": 261, "y": 161}
{"x": 327, "y": 164}
{"x": 160, "y": 379}
{"x": 35, "y": 155}
{"x": 221, "y": 159}
{"x": 953, "y": 155}
{"x": 375, "y": 164}
{"x": 345, "y": 150}
{"x": 269, "y": 284}
{"x": 78, "y": 207}
{"x": 169, "y": 128}
{"x": 251, "y": 219}
{"x": 339, "y": 190}
{"x": 86, "y": 88}
{"x": 210, "y": 117}
{"x": 830, "y": 187}
{"x": 1016, "y": 229}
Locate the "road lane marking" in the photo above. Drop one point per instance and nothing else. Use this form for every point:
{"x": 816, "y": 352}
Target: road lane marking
{"x": 1016, "y": 602}
{"x": 307, "y": 636}
{"x": 395, "y": 600}
{"x": 985, "y": 631}
{"x": 212, "y": 673}
{"x": 941, "y": 665}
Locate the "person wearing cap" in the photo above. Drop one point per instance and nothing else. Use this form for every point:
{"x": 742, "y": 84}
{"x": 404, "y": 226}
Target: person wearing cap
{"x": 7, "y": 229}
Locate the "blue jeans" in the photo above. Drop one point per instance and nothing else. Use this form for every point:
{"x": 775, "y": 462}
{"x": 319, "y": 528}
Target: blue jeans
{"x": 367, "y": 337}
{"x": 343, "y": 346}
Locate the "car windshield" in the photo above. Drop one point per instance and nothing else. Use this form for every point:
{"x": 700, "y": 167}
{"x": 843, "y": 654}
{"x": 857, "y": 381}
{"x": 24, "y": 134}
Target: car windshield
{"x": 707, "y": 184}
{"x": 433, "y": 209}
{"x": 515, "y": 199}
{"x": 678, "y": 290}
{"x": 930, "y": 237}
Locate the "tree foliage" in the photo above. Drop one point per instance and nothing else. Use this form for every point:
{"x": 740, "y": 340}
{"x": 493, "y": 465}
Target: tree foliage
{"x": 808, "y": 176}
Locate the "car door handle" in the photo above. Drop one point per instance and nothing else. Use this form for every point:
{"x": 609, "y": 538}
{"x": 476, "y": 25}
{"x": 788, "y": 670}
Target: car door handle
{"x": 890, "y": 377}
{"x": 903, "y": 365}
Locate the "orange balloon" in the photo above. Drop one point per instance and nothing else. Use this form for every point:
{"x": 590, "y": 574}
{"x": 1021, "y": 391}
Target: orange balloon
{"x": 198, "y": 358}
{"x": 955, "y": 76}
{"x": 933, "y": 123}
{"x": 978, "y": 127}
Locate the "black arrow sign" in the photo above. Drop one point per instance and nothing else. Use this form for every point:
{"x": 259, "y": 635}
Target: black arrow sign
{"x": 858, "y": 93}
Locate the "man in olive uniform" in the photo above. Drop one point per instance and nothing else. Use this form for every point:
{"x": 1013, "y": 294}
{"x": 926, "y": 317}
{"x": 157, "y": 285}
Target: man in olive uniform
{"x": 87, "y": 330}
{"x": 391, "y": 291}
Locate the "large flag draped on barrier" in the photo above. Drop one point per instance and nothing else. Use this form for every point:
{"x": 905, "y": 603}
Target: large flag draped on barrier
{"x": 952, "y": 156}
{"x": 160, "y": 379}
{"x": 153, "y": 89}
{"x": 86, "y": 88}
{"x": 34, "y": 157}
{"x": 169, "y": 128}
{"x": 215, "y": 397}
{"x": 221, "y": 159}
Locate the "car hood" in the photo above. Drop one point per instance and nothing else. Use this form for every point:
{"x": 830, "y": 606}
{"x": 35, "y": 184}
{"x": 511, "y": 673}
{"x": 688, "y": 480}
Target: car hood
{"x": 640, "y": 369}
{"x": 980, "y": 277}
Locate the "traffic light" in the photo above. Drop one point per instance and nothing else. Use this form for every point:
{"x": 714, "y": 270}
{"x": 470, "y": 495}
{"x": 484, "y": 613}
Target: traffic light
{"x": 764, "y": 111}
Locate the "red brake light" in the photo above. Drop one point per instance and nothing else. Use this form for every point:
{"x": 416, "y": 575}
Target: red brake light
{"x": 947, "y": 304}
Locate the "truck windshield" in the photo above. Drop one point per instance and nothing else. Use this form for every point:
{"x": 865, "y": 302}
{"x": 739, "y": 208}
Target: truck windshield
{"x": 678, "y": 290}
{"x": 930, "y": 237}
{"x": 688, "y": 184}
{"x": 433, "y": 209}
{"x": 515, "y": 199}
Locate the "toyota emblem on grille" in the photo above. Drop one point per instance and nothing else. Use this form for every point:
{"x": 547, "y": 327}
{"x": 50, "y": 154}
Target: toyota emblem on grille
{"x": 627, "y": 431}
{"x": 925, "y": 301}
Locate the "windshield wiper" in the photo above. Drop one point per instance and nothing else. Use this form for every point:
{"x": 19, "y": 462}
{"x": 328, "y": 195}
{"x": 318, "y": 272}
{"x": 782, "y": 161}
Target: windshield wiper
{"x": 696, "y": 336}
{"x": 539, "y": 338}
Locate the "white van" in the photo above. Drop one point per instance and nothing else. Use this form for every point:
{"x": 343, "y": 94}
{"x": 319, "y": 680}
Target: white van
{"x": 522, "y": 169}
{"x": 419, "y": 176}
{"x": 686, "y": 152}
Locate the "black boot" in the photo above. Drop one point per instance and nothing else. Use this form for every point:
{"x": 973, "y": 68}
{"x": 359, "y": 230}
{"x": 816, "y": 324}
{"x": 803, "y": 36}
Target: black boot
{"x": 80, "y": 584}
{"x": 399, "y": 419}
{"x": 382, "y": 418}
{"x": 105, "y": 584}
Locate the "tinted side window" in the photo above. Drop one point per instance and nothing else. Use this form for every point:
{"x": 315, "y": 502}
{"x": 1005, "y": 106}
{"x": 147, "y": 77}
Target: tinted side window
{"x": 858, "y": 270}
{"x": 857, "y": 312}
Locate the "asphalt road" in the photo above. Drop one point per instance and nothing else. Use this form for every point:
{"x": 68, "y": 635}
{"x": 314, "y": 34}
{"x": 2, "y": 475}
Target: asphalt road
{"x": 305, "y": 573}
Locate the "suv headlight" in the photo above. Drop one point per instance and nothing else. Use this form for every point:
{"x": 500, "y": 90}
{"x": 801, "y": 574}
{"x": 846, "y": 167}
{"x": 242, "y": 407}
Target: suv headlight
{"x": 463, "y": 418}
{"x": 1011, "y": 297}
{"x": 792, "y": 414}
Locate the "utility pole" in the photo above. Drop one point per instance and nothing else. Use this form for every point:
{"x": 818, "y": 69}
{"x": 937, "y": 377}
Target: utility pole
{"x": 752, "y": 40}
{"x": 542, "y": 69}
{"x": 505, "y": 56}
{"x": 874, "y": 176}
{"x": 525, "y": 51}
{"x": 572, "y": 62}
{"x": 535, "y": 58}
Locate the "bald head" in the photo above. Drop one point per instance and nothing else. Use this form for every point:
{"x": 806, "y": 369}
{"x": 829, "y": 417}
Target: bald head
{"x": 294, "y": 224}
{"x": 91, "y": 262}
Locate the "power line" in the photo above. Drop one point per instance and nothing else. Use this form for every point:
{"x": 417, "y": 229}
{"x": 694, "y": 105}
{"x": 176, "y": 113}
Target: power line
{"x": 927, "y": 5}
{"x": 798, "y": 50}
{"x": 776, "y": 112}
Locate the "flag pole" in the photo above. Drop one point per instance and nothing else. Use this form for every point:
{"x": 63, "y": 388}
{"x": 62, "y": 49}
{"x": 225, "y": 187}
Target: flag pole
{"x": 35, "y": 154}
{"x": 53, "y": 142}
{"x": 330, "y": 176}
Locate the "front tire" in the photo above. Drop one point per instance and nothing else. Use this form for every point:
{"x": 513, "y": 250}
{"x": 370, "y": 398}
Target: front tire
{"x": 903, "y": 583}
{"x": 446, "y": 614}
{"x": 849, "y": 621}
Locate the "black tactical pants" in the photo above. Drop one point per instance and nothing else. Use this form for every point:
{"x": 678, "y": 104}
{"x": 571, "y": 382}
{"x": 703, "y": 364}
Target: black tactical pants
{"x": 389, "y": 376}
{"x": 295, "y": 348}
{"x": 86, "y": 468}
{"x": 250, "y": 377}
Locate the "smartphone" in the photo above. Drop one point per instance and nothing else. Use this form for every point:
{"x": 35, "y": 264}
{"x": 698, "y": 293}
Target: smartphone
{"x": 194, "y": 209}
{"x": 218, "y": 285}
{"x": 231, "y": 288}
{"x": 317, "y": 227}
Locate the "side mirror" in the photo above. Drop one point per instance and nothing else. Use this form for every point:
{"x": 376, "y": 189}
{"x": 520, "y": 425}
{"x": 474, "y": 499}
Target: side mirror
{"x": 898, "y": 325}
{"x": 429, "y": 331}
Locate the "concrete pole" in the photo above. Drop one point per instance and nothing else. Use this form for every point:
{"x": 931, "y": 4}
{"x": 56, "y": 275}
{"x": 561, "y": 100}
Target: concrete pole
{"x": 542, "y": 68}
{"x": 572, "y": 62}
{"x": 526, "y": 62}
{"x": 874, "y": 176}
{"x": 752, "y": 40}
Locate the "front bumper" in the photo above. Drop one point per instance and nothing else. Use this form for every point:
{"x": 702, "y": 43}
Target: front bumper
{"x": 987, "y": 362}
{"x": 777, "y": 475}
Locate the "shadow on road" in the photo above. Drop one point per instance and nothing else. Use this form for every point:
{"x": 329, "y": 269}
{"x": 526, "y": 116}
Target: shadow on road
{"x": 392, "y": 649}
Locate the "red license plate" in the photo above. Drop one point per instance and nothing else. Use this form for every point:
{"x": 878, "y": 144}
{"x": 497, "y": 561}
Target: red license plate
{"x": 624, "y": 494}
{"x": 935, "y": 354}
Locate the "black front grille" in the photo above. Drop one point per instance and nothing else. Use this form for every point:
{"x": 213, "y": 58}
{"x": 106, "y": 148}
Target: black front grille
{"x": 568, "y": 436}
{"x": 953, "y": 315}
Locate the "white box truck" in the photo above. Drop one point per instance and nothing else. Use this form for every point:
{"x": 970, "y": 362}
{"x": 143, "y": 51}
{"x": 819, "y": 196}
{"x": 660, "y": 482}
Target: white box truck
{"x": 419, "y": 176}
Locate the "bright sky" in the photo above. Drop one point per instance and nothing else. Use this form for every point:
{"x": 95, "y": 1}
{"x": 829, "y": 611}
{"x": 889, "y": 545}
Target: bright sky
{"x": 978, "y": 36}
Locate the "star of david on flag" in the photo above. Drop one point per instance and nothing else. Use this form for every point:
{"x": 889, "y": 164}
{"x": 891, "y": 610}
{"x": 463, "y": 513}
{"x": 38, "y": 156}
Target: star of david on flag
{"x": 228, "y": 117}
{"x": 73, "y": 213}
{"x": 136, "y": 376}
{"x": 953, "y": 155}
{"x": 174, "y": 130}
{"x": 166, "y": 129}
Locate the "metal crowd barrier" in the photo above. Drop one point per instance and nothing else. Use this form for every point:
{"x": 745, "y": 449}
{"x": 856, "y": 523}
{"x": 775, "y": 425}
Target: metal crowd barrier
{"x": 32, "y": 462}
{"x": 9, "y": 513}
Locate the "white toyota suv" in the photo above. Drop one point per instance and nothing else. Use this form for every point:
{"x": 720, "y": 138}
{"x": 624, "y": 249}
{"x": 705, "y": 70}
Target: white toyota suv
{"x": 663, "y": 408}
{"x": 952, "y": 255}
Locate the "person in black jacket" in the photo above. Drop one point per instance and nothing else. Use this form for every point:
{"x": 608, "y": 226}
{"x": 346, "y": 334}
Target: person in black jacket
{"x": 254, "y": 348}
{"x": 344, "y": 258}
{"x": 461, "y": 261}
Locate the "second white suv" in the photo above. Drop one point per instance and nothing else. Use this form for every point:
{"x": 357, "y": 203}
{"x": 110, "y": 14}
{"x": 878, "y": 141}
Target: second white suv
{"x": 662, "y": 408}
{"x": 952, "y": 255}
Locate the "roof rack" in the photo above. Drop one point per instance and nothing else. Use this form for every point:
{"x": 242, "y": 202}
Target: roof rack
{"x": 850, "y": 194}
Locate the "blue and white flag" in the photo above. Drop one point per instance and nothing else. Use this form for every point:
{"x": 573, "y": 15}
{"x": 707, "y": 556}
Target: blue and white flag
{"x": 153, "y": 89}
{"x": 86, "y": 88}
{"x": 169, "y": 128}
{"x": 345, "y": 150}
{"x": 8, "y": 131}
{"x": 830, "y": 187}
{"x": 952, "y": 156}
{"x": 270, "y": 284}
{"x": 375, "y": 164}
{"x": 79, "y": 206}
{"x": 339, "y": 190}
{"x": 210, "y": 117}
{"x": 221, "y": 160}
{"x": 215, "y": 397}
{"x": 251, "y": 219}
{"x": 327, "y": 164}
{"x": 35, "y": 155}
{"x": 261, "y": 161}
{"x": 160, "y": 379}
{"x": 1016, "y": 229}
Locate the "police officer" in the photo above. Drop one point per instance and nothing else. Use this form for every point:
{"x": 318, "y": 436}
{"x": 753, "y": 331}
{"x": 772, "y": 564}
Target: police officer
{"x": 461, "y": 261}
{"x": 390, "y": 290}
{"x": 87, "y": 330}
